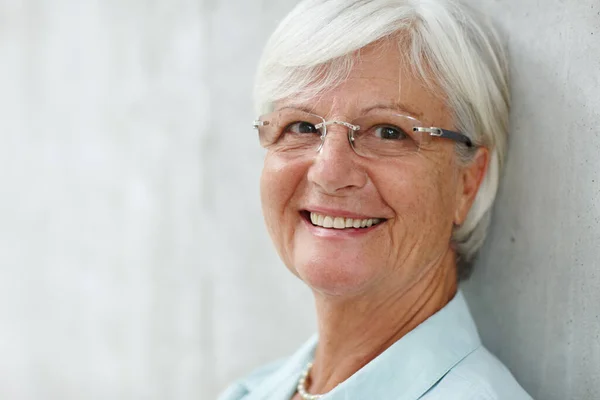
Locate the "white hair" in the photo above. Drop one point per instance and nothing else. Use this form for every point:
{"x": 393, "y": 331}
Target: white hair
{"x": 447, "y": 44}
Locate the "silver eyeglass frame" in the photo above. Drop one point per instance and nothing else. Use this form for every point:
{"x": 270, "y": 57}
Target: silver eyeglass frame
{"x": 432, "y": 131}
{"x": 351, "y": 129}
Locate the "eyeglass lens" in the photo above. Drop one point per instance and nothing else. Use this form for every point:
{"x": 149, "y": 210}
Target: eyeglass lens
{"x": 380, "y": 133}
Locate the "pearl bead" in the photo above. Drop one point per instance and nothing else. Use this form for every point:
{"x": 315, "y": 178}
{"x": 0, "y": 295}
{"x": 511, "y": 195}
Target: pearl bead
{"x": 302, "y": 385}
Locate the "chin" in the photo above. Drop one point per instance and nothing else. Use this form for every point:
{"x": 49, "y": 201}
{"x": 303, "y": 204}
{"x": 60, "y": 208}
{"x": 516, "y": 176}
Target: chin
{"x": 336, "y": 276}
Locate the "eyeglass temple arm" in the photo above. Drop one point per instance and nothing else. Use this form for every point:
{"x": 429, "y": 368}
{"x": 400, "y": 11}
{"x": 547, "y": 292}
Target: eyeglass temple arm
{"x": 459, "y": 137}
{"x": 444, "y": 133}
{"x": 258, "y": 123}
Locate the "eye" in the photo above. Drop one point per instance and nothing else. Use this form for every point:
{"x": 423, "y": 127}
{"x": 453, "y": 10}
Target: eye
{"x": 301, "y": 127}
{"x": 390, "y": 132}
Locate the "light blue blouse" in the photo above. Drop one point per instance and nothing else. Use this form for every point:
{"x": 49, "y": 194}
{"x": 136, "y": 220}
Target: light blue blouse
{"x": 441, "y": 359}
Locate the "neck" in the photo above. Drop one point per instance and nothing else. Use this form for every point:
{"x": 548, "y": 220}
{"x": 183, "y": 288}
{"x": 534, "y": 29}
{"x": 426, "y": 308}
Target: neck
{"x": 353, "y": 331}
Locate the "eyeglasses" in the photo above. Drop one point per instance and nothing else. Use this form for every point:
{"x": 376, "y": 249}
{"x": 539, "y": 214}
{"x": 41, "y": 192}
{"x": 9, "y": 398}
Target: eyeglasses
{"x": 380, "y": 133}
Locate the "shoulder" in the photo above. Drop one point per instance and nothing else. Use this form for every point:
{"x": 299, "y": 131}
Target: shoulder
{"x": 244, "y": 386}
{"x": 479, "y": 376}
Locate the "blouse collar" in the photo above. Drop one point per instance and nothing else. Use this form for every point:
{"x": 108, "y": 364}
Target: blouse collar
{"x": 405, "y": 371}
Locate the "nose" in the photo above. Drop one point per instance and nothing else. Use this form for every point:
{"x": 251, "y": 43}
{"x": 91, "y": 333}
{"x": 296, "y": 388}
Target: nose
{"x": 336, "y": 168}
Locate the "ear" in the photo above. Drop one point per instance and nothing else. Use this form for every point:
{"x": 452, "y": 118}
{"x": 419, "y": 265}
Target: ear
{"x": 469, "y": 182}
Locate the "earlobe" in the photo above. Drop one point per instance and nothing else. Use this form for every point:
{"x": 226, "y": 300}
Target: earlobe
{"x": 472, "y": 176}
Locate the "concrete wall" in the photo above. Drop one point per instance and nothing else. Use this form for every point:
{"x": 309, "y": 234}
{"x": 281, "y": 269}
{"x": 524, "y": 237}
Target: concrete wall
{"x": 133, "y": 260}
{"x": 536, "y": 290}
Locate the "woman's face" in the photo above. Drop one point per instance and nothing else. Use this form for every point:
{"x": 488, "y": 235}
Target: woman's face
{"x": 418, "y": 196}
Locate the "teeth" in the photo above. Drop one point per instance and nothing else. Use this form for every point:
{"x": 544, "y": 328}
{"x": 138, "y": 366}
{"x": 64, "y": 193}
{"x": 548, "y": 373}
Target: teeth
{"x": 327, "y": 221}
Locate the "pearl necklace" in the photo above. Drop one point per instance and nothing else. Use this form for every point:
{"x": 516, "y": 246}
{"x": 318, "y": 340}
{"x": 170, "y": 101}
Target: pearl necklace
{"x": 302, "y": 385}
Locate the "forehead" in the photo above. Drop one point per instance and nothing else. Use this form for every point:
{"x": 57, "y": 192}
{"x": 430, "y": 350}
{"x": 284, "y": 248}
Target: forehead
{"x": 380, "y": 76}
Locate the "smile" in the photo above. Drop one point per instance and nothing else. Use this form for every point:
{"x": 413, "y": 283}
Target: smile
{"x": 329, "y": 222}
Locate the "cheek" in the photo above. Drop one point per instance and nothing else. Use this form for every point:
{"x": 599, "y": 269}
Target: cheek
{"x": 271, "y": 193}
{"x": 421, "y": 195}
{"x": 280, "y": 184}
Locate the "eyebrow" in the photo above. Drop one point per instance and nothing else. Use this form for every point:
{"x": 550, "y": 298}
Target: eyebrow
{"x": 297, "y": 107}
{"x": 398, "y": 107}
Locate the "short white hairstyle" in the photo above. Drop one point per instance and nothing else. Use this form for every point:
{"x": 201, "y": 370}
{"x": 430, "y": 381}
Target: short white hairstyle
{"x": 449, "y": 46}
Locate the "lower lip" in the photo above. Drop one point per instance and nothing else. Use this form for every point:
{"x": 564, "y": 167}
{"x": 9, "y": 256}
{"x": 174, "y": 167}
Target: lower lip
{"x": 339, "y": 233}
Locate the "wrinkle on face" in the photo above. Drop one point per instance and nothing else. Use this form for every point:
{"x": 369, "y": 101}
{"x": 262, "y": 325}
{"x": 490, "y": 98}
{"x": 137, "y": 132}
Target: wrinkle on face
{"x": 416, "y": 193}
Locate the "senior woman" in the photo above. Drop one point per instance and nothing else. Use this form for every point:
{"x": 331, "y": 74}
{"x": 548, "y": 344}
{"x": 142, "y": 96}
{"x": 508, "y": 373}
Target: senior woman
{"x": 385, "y": 127}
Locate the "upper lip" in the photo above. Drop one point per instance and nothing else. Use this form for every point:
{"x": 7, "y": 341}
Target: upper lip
{"x": 332, "y": 212}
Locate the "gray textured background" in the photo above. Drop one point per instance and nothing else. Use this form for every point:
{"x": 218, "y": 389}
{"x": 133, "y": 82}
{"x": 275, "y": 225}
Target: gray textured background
{"x": 133, "y": 260}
